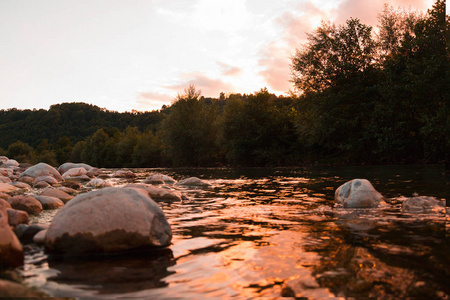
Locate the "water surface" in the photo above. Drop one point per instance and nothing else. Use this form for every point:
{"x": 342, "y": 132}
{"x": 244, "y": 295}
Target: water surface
{"x": 272, "y": 233}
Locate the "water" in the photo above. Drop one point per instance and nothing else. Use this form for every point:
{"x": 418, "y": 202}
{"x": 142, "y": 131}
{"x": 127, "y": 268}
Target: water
{"x": 273, "y": 233}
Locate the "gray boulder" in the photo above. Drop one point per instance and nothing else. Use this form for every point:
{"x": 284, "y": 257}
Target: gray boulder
{"x": 423, "y": 204}
{"x": 42, "y": 169}
{"x": 107, "y": 221}
{"x": 358, "y": 193}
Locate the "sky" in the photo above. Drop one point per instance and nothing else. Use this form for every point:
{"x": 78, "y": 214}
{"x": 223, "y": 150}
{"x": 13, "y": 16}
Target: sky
{"x": 126, "y": 55}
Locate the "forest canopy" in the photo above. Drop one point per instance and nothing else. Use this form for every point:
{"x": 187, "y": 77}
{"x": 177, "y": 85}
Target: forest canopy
{"x": 362, "y": 95}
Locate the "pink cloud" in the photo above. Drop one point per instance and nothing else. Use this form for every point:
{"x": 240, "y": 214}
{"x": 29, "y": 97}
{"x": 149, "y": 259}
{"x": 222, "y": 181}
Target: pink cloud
{"x": 210, "y": 87}
{"x": 151, "y": 101}
{"x": 229, "y": 70}
{"x": 276, "y": 62}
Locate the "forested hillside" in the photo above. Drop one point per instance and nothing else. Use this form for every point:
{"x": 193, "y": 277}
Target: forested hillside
{"x": 361, "y": 97}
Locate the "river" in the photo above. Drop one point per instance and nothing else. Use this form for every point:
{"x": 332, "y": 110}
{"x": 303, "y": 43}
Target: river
{"x": 270, "y": 233}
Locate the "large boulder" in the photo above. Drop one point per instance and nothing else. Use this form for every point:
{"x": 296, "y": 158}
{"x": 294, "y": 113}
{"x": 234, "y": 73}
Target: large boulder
{"x": 42, "y": 169}
{"x": 68, "y": 165}
{"x": 26, "y": 203}
{"x": 358, "y": 193}
{"x": 107, "y": 221}
{"x": 157, "y": 193}
{"x": 423, "y": 204}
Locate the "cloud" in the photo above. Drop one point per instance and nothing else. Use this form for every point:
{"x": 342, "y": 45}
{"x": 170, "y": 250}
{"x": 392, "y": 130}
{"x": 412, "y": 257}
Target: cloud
{"x": 210, "y": 87}
{"x": 152, "y": 100}
{"x": 229, "y": 70}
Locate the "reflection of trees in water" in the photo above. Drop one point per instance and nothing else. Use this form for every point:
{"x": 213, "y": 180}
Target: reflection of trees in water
{"x": 367, "y": 257}
{"x": 118, "y": 274}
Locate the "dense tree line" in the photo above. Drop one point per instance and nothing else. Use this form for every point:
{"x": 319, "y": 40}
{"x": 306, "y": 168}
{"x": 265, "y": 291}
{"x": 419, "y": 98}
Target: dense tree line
{"x": 361, "y": 97}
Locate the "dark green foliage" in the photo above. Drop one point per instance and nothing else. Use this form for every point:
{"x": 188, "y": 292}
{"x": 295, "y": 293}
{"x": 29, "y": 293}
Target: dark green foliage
{"x": 22, "y": 152}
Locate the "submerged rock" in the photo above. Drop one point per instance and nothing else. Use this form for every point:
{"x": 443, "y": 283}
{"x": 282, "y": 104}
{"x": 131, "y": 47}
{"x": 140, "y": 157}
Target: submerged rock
{"x": 357, "y": 193}
{"x": 42, "y": 169}
{"x": 193, "y": 181}
{"x": 159, "y": 179}
{"x": 157, "y": 193}
{"x": 423, "y": 204}
{"x": 106, "y": 221}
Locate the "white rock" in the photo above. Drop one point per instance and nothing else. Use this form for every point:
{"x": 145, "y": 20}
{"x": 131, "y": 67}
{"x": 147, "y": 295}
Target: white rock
{"x": 357, "y": 193}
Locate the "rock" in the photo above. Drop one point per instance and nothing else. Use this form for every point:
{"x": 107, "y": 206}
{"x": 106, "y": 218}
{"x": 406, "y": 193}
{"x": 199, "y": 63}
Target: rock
{"x": 39, "y": 238}
{"x": 41, "y": 185}
{"x": 68, "y": 165}
{"x": 4, "y": 205}
{"x": 26, "y": 233}
{"x": 6, "y": 172}
{"x": 71, "y": 184}
{"x": 26, "y": 203}
{"x": 94, "y": 172}
{"x": 159, "y": 179}
{"x": 3, "y": 159}
{"x": 98, "y": 183}
{"x": 67, "y": 190}
{"x": 49, "y": 179}
{"x": 157, "y": 193}
{"x": 423, "y": 204}
{"x": 26, "y": 179}
{"x": 106, "y": 221}
{"x": 52, "y": 192}
{"x": 81, "y": 178}
{"x": 10, "y": 163}
{"x": 124, "y": 174}
{"x": 4, "y": 196}
{"x": 13, "y": 290}
{"x": 10, "y": 248}
{"x": 193, "y": 181}
{"x": 16, "y": 217}
{"x": 7, "y": 188}
{"x": 357, "y": 193}
{"x": 4, "y": 179}
{"x": 42, "y": 169}
{"x": 21, "y": 185}
{"x": 25, "y": 165}
{"x": 74, "y": 172}
{"x": 50, "y": 202}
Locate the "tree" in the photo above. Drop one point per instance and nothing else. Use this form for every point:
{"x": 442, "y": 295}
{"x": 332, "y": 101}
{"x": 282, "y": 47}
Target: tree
{"x": 188, "y": 133}
{"x": 22, "y": 152}
{"x": 334, "y": 55}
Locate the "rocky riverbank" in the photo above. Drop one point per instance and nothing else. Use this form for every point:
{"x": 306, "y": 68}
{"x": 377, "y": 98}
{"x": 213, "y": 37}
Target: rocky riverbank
{"x": 93, "y": 217}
